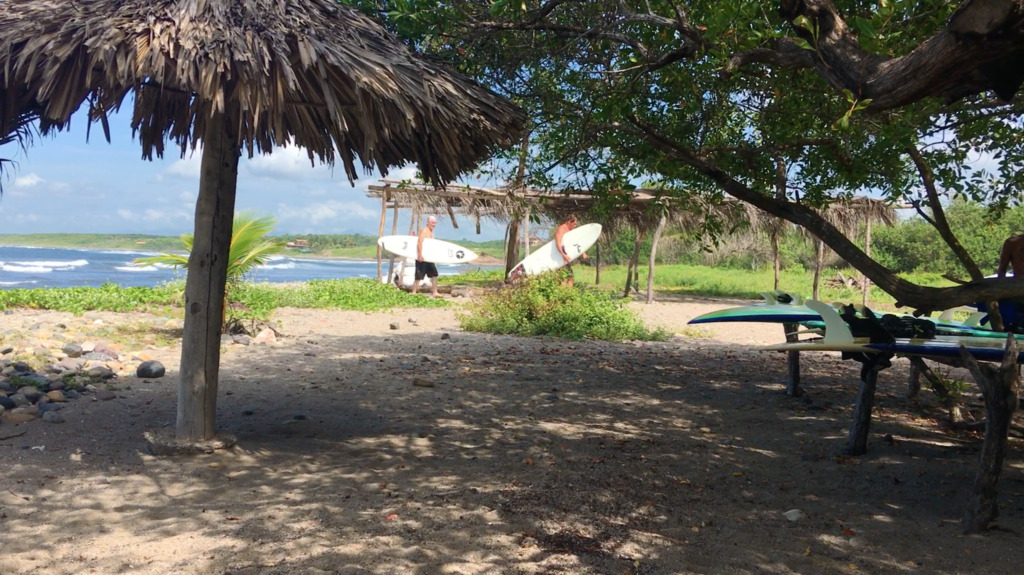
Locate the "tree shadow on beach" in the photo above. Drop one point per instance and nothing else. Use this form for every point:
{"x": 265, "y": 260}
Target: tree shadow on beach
{"x": 420, "y": 453}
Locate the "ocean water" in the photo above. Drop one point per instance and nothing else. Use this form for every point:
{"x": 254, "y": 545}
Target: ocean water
{"x": 27, "y": 267}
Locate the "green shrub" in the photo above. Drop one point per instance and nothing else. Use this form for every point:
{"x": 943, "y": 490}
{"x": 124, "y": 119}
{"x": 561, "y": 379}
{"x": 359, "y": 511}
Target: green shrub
{"x": 542, "y": 306}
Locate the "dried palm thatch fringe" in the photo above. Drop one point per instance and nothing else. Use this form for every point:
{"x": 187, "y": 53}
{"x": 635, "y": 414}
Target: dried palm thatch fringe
{"x": 310, "y": 73}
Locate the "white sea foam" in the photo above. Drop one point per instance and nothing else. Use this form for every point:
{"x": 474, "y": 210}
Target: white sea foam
{"x": 55, "y": 264}
{"x": 25, "y": 269}
{"x": 143, "y": 267}
{"x": 286, "y": 265}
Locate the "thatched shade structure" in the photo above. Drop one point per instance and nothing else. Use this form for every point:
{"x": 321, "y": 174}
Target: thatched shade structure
{"x": 244, "y": 74}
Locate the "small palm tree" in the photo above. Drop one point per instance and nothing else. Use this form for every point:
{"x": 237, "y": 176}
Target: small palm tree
{"x": 250, "y": 247}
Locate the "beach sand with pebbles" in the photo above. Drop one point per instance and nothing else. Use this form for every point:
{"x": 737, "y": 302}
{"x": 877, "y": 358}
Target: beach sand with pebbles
{"x": 364, "y": 449}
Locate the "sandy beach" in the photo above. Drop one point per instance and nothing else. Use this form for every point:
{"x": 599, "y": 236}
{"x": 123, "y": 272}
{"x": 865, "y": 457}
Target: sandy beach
{"x": 364, "y": 449}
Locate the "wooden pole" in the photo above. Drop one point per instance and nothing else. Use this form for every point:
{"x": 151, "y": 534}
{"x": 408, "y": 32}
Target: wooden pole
{"x": 380, "y": 233}
{"x": 394, "y": 231}
{"x": 206, "y": 281}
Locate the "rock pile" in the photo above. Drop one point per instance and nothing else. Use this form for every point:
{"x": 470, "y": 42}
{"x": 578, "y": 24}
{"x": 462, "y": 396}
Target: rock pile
{"x": 44, "y": 365}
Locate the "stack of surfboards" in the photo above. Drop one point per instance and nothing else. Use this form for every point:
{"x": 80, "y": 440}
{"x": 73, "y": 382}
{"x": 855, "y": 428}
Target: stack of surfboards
{"x": 818, "y": 317}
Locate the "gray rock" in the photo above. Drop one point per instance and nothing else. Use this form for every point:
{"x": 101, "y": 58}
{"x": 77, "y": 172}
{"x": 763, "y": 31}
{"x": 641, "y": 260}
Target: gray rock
{"x": 30, "y": 393}
{"x": 53, "y": 368}
{"x": 72, "y": 394}
{"x": 56, "y": 385}
{"x": 100, "y": 372}
{"x": 72, "y": 350}
{"x": 6, "y": 349}
{"x": 44, "y": 407}
{"x": 242, "y": 339}
{"x": 7, "y": 402}
{"x": 53, "y": 417}
{"x": 72, "y": 364}
{"x": 150, "y": 369}
{"x": 794, "y": 515}
{"x": 394, "y": 325}
{"x": 20, "y": 400}
{"x": 105, "y": 394}
{"x": 105, "y": 350}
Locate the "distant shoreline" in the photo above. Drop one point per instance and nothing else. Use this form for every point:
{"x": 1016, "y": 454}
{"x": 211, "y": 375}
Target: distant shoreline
{"x": 484, "y": 260}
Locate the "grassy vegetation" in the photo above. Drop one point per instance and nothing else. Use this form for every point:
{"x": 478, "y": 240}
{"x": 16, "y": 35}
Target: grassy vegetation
{"x": 94, "y": 241}
{"x": 542, "y": 306}
{"x": 744, "y": 284}
{"x": 260, "y": 299}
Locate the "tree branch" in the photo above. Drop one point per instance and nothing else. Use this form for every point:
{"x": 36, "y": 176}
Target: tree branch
{"x": 981, "y": 49}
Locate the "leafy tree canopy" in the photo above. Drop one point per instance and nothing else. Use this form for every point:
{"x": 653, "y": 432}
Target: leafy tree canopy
{"x": 788, "y": 106}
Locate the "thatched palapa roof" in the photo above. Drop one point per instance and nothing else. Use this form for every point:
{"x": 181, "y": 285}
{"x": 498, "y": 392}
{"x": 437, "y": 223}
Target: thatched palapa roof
{"x": 311, "y": 73}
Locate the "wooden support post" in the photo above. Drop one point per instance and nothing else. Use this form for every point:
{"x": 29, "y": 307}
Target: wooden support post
{"x": 999, "y": 387}
{"x": 394, "y": 232}
{"x": 873, "y": 363}
{"x": 914, "y": 382}
{"x": 206, "y": 280}
{"x": 380, "y": 233}
{"x": 792, "y": 362}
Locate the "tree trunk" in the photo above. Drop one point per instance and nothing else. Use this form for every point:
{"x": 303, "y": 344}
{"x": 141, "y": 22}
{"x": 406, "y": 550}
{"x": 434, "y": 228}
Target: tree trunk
{"x": 632, "y": 272}
{"x": 999, "y": 387}
{"x": 819, "y": 262}
{"x": 206, "y": 281}
{"x": 654, "y": 250}
{"x": 781, "y": 178}
{"x": 865, "y": 282}
{"x": 512, "y": 244}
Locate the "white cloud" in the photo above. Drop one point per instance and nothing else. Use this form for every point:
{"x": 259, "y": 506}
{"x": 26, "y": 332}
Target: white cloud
{"x": 340, "y": 214}
{"x": 187, "y": 167}
{"x": 28, "y": 181}
{"x": 284, "y": 164}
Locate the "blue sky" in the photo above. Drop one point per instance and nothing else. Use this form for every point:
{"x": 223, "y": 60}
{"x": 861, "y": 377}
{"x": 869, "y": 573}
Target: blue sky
{"x": 64, "y": 184}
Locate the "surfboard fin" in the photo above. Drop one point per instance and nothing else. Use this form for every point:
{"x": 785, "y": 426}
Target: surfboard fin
{"x": 836, "y": 330}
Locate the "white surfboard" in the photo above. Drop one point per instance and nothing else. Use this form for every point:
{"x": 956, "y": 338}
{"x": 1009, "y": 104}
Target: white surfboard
{"x": 546, "y": 257}
{"x": 434, "y": 250}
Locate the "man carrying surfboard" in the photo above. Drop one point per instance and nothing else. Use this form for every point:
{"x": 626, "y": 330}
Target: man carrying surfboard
{"x": 425, "y": 268}
{"x": 565, "y": 227}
